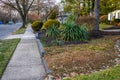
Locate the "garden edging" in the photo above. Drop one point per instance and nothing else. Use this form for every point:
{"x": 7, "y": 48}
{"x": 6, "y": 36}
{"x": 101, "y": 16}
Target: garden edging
{"x": 42, "y": 53}
{"x": 117, "y": 46}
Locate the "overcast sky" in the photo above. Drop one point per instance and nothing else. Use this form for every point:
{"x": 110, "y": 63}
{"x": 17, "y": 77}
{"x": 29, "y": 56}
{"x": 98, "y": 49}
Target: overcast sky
{"x": 57, "y": 1}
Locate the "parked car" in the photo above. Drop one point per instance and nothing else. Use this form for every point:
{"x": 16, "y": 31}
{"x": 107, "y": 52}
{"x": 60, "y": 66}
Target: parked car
{"x": 10, "y": 22}
{"x": 1, "y": 22}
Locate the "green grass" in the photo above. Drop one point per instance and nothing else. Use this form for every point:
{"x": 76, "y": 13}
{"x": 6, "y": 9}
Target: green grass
{"x": 7, "y": 48}
{"x": 102, "y": 26}
{"x": 20, "y": 31}
{"x": 109, "y": 74}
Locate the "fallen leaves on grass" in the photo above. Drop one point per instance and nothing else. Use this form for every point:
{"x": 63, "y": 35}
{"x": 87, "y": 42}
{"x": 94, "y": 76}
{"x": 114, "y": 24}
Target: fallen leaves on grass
{"x": 85, "y": 58}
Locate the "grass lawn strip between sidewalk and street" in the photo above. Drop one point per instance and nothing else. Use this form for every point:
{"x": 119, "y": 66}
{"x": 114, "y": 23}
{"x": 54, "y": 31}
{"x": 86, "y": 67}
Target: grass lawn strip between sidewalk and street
{"x": 20, "y": 31}
{"x": 7, "y": 48}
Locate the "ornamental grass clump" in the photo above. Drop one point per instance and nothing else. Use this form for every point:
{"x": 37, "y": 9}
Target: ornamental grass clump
{"x": 74, "y": 32}
{"x": 53, "y": 32}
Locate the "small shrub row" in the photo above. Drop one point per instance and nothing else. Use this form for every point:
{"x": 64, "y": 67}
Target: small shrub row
{"x": 50, "y": 22}
{"x": 37, "y": 25}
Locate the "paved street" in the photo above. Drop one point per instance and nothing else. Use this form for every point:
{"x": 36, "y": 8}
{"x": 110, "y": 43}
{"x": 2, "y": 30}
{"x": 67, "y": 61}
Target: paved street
{"x": 6, "y": 30}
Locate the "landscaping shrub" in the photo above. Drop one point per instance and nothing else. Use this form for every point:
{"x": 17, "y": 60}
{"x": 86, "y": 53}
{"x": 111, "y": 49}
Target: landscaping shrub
{"x": 54, "y": 14}
{"x": 115, "y": 21}
{"x": 53, "y": 32}
{"x": 73, "y": 32}
{"x": 104, "y": 19}
{"x": 62, "y": 27}
{"x": 51, "y": 22}
{"x": 71, "y": 18}
{"x": 118, "y": 24}
{"x": 37, "y": 25}
{"x": 88, "y": 20}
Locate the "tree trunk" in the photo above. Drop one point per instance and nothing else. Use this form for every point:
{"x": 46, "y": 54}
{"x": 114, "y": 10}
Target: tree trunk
{"x": 96, "y": 14}
{"x": 24, "y": 21}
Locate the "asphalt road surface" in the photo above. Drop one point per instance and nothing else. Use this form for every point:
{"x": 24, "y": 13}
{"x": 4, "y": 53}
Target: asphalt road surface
{"x": 6, "y": 30}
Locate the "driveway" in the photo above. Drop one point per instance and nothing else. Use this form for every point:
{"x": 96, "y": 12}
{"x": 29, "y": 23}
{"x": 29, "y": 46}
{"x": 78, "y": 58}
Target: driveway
{"x": 6, "y": 30}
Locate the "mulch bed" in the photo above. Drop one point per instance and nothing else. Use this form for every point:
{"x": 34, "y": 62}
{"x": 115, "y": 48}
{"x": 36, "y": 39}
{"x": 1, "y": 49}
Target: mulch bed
{"x": 80, "y": 57}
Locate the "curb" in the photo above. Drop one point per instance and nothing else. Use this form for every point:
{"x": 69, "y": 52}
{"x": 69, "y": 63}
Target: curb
{"x": 42, "y": 53}
{"x": 117, "y": 45}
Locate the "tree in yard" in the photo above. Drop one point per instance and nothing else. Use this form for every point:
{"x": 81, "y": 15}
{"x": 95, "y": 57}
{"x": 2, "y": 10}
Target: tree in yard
{"x": 72, "y": 6}
{"x": 43, "y": 8}
{"x": 37, "y": 7}
{"x": 48, "y": 7}
{"x": 78, "y": 7}
{"x": 22, "y": 6}
{"x": 96, "y": 14}
{"x": 54, "y": 13}
{"x": 108, "y": 6}
{"x": 4, "y": 17}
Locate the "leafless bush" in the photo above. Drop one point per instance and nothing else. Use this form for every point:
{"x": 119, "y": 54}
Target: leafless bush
{"x": 89, "y": 21}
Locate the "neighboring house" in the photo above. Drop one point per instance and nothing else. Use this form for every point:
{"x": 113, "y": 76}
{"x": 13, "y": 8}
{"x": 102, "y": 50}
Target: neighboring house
{"x": 62, "y": 18}
{"x": 115, "y": 14}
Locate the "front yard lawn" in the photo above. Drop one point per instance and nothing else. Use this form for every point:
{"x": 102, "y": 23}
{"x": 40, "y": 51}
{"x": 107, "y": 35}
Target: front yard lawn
{"x": 109, "y": 74}
{"x": 103, "y": 26}
{"x": 83, "y": 58}
{"x": 20, "y": 31}
{"x": 7, "y": 48}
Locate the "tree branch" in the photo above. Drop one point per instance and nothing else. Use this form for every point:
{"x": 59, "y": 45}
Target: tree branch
{"x": 30, "y": 5}
{"x": 9, "y": 4}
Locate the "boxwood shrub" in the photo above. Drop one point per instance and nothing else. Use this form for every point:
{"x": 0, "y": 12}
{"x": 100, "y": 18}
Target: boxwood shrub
{"x": 51, "y": 22}
{"x": 37, "y": 25}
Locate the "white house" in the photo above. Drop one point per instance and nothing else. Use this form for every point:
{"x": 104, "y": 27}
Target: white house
{"x": 62, "y": 18}
{"x": 115, "y": 14}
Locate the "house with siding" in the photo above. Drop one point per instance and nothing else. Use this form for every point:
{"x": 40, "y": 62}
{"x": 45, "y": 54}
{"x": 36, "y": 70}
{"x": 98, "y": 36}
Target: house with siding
{"x": 115, "y": 14}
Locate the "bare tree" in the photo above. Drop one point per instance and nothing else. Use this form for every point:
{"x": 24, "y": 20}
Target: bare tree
{"x": 47, "y": 7}
{"x": 4, "y": 17}
{"x": 22, "y": 6}
{"x": 43, "y": 7}
{"x": 50, "y": 11}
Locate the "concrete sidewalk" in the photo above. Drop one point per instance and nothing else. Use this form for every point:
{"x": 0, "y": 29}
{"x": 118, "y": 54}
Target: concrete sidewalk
{"x": 26, "y": 62}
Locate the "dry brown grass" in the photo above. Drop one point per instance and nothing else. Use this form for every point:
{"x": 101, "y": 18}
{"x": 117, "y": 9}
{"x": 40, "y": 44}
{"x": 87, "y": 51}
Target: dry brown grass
{"x": 82, "y": 58}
